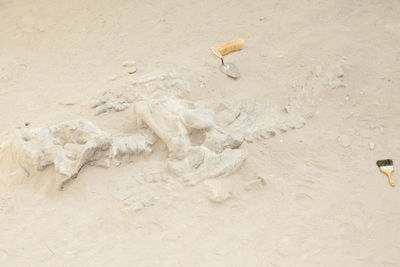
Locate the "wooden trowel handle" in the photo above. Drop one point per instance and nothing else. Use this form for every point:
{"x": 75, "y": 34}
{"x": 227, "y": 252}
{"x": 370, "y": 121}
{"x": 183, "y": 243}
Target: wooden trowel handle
{"x": 231, "y": 46}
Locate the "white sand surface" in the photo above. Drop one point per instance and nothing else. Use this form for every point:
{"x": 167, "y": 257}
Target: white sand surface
{"x": 322, "y": 202}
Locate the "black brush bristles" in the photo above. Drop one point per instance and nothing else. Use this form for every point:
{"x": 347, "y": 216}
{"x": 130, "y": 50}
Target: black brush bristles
{"x": 384, "y": 162}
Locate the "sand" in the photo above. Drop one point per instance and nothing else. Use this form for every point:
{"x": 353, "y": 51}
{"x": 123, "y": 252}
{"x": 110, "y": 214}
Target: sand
{"x": 312, "y": 196}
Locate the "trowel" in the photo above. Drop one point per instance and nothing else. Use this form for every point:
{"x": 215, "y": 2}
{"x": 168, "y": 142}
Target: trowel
{"x": 229, "y": 69}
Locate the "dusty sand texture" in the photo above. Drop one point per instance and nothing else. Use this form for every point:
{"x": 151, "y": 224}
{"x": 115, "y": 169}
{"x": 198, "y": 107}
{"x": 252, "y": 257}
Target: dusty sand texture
{"x": 319, "y": 79}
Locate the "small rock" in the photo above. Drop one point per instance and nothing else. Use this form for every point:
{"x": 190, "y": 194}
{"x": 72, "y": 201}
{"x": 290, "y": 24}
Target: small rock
{"x": 344, "y": 140}
{"x": 255, "y": 184}
{"x": 129, "y": 63}
{"x": 218, "y": 190}
{"x": 371, "y": 145}
{"x": 261, "y": 18}
{"x": 132, "y": 70}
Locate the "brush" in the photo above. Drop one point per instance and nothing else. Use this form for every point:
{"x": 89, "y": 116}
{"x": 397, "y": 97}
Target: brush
{"x": 386, "y": 167}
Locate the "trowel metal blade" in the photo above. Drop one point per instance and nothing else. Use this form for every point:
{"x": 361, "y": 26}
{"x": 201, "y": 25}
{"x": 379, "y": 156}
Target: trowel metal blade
{"x": 230, "y": 69}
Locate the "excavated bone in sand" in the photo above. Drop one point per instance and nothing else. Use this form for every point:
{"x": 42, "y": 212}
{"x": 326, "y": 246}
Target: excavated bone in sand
{"x": 172, "y": 120}
{"x": 71, "y": 145}
{"x": 160, "y": 107}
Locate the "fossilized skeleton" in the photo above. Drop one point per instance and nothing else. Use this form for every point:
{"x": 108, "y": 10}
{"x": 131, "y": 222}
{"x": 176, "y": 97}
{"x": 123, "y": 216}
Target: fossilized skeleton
{"x": 161, "y": 110}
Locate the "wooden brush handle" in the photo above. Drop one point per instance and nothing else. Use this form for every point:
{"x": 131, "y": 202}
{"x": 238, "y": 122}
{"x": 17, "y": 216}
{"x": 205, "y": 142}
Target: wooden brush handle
{"x": 389, "y": 175}
{"x": 391, "y": 182}
{"x": 230, "y": 47}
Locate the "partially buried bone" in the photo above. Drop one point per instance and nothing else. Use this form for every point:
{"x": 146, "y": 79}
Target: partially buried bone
{"x": 172, "y": 120}
{"x": 162, "y": 117}
{"x": 72, "y": 145}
